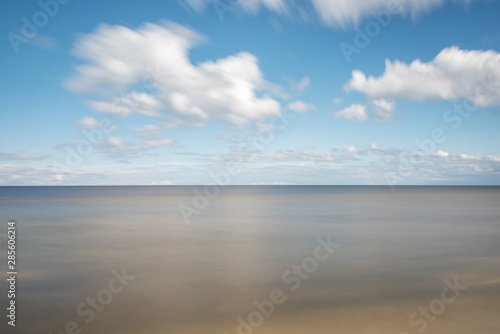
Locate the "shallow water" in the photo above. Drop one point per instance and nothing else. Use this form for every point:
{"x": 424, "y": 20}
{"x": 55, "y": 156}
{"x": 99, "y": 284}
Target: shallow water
{"x": 394, "y": 253}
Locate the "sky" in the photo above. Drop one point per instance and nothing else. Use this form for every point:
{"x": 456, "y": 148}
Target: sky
{"x": 264, "y": 92}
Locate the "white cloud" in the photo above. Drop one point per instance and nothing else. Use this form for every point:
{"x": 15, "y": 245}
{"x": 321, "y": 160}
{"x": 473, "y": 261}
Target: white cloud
{"x": 331, "y": 12}
{"x": 149, "y": 131}
{"x": 442, "y": 154}
{"x": 148, "y": 71}
{"x": 302, "y": 85}
{"x": 350, "y": 149}
{"x": 139, "y": 102}
{"x": 380, "y": 110}
{"x": 344, "y": 12}
{"x": 384, "y": 109}
{"x": 300, "y": 166}
{"x": 88, "y": 123}
{"x": 453, "y": 74}
{"x": 118, "y": 148}
{"x": 301, "y": 155}
{"x": 374, "y": 149}
{"x": 252, "y": 6}
{"x": 23, "y": 175}
{"x": 20, "y": 156}
{"x": 356, "y": 112}
{"x": 158, "y": 142}
{"x": 300, "y": 106}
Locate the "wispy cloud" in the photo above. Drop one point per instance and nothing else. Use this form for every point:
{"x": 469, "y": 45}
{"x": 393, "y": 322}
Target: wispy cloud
{"x": 301, "y": 85}
{"x": 20, "y": 156}
{"x": 337, "y": 13}
{"x": 122, "y": 150}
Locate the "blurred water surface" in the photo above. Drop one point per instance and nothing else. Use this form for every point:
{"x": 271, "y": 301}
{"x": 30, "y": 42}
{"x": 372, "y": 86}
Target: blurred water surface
{"x": 396, "y": 249}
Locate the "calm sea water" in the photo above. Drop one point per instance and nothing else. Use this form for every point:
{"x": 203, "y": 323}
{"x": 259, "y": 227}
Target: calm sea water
{"x": 395, "y": 255}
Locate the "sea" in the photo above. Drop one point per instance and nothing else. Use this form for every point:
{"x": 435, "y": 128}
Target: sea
{"x": 252, "y": 259}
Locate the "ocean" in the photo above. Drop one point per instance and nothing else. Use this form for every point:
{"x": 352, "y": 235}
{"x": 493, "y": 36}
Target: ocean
{"x": 253, "y": 259}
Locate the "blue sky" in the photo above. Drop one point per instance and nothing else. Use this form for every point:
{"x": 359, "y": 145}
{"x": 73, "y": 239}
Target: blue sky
{"x": 285, "y": 92}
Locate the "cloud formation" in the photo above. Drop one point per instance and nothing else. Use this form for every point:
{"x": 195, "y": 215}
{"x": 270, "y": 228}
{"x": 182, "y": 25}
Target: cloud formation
{"x": 381, "y": 110}
{"x": 453, "y": 74}
{"x": 252, "y": 7}
{"x": 147, "y": 70}
{"x": 384, "y": 109}
{"x": 345, "y": 12}
{"x": 88, "y": 123}
{"x": 20, "y": 156}
{"x": 356, "y": 113}
{"x": 300, "y": 106}
{"x": 339, "y": 13}
{"x": 118, "y": 148}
